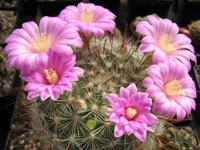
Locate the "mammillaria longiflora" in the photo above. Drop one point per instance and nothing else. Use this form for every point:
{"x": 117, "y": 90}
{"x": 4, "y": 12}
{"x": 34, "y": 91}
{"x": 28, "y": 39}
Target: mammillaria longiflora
{"x": 81, "y": 115}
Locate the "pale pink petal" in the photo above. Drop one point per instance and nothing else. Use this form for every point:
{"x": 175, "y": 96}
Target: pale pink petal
{"x": 147, "y": 48}
{"x": 159, "y": 56}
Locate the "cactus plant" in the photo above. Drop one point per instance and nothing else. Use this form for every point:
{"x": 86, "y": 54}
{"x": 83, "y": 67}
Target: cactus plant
{"x": 78, "y": 119}
{"x": 88, "y": 114}
{"x": 178, "y": 138}
{"x": 194, "y": 30}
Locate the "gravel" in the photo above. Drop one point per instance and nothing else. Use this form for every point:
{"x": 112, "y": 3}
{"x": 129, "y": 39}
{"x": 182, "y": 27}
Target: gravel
{"x": 6, "y": 76}
{"x": 7, "y": 22}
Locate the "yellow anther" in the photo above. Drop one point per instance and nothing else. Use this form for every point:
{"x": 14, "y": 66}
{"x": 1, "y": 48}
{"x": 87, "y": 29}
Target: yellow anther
{"x": 165, "y": 44}
{"x": 87, "y": 16}
{"x": 130, "y": 113}
{"x": 42, "y": 43}
{"x": 51, "y": 76}
{"x": 173, "y": 88}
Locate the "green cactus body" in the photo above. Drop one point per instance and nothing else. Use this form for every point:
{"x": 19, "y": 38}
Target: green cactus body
{"x": 78, "y": 119}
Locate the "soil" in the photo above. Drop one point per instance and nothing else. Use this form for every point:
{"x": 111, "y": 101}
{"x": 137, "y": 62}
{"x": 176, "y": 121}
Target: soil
{"x": 7, "y": 22}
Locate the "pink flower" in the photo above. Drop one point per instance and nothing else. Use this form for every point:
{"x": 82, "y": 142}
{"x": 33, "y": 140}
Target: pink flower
{"x": 161, "y": 37}
{"x": 27, "y": 47}
{"x": 52, "y": 79}
{"x": 89, "y": 18}
{"x": 131, "y": 112}
{"x": 172, "y": 88}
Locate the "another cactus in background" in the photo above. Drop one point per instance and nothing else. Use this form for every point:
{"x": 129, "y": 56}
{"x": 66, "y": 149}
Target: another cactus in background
{"x": 3, "y": 68}
{"x": 178, "y": 138}
{"x": 194, "y": 30}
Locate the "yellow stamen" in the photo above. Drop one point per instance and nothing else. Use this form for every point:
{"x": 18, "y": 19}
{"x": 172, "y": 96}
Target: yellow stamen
{"x": 130, "y": 113}
{"x": 42, "y": 43}
{"x": 87, "y": 16}
{"x": 165, "y": 44}
{"x": 51, "y": 76}
{"x": 173, "y": 88}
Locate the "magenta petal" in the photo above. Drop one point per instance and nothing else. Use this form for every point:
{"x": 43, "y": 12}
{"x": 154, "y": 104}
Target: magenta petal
{"x": 152, "y": 119}
{"x": 124, "y": 93}
{"x": 67, "y": 87}
{"x": 141, "y": 118}
{"x": 45, "y": 94}
{"x": 130, "y": 99}
{"x": 119, "y": 131}
{"x": 98, "y": 32}
{"x": 129, "y": 129}
{"x": 113, "y": 98}
{"x": 134, "y": 124}
{"x": 70, "y": 76}
{"x": 123, "y": 121}
{"x": 58, "y": 89}
{"x": 55, "y": 95}
{"x": 132, "y": 89}
{"x": 40, "y": 85}
{"x": 140, "y": 134}
{"x": 30, "y": 86}
{"x": 32, "y": 95}
{"x": 77, "y": 70}
{"x": 122, "y": 102}
{"x": 114, "y": 118}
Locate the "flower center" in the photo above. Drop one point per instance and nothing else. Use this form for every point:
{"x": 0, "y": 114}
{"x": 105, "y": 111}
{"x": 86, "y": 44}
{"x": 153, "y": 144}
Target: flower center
{"x": 42, "y": 43}
{"x": 173, "y": 88}
{"x": 165, "y": 43}
{"x": 51, "y": 76}
{"x": 87, "y": 16}
{"x": 130, "y": 113}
